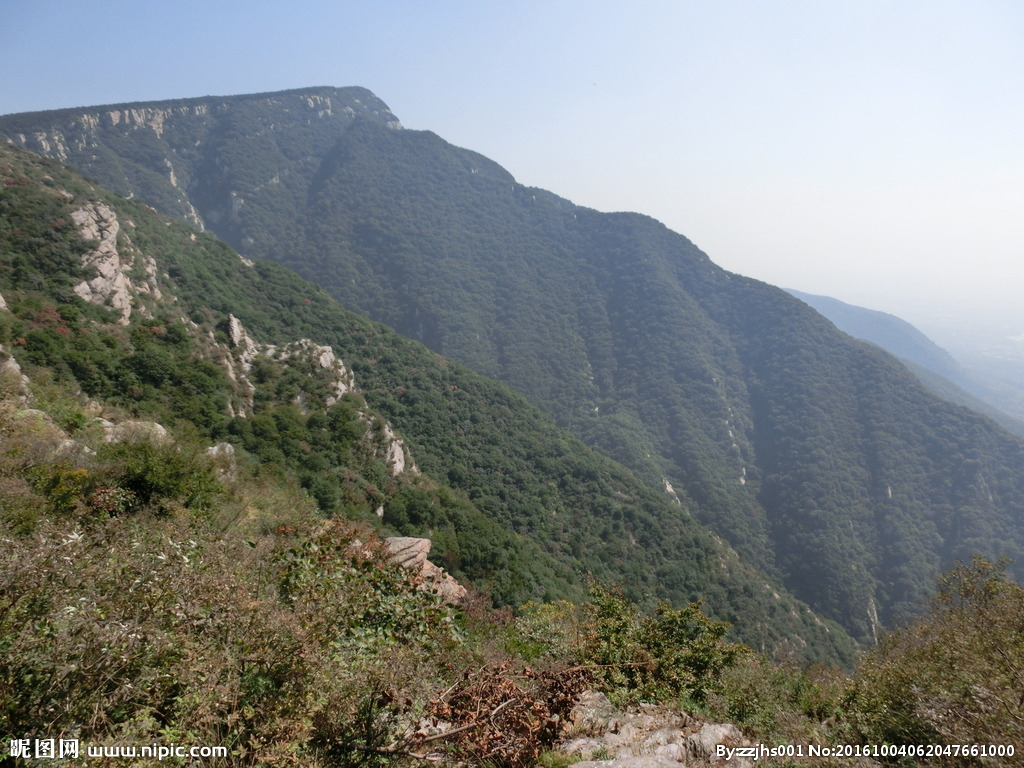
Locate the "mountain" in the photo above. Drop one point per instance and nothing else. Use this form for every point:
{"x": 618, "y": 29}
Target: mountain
{"x": 821, "y": 459}
{"x": 139, "y": 319}
{"x": 891, "y": 333}
{"x": 932, "y": 364}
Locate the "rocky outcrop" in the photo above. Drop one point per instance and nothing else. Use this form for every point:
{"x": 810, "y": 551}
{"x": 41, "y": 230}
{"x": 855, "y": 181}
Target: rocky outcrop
{"x": 112, "y": 285}
{"x": 134, "y": 431}
{"x": 412, "y": 554}
{"x": 647, "y": 736}
{"x": 12, "y": 377}
{"x": 341, "y": 379}
{"x": 239, "y": 361}
{"x": 382, "y": 441}
{"x": 245, "y": 351}
{"x": 396, "y": 457}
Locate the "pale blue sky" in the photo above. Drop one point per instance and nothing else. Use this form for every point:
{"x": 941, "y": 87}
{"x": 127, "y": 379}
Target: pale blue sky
{"x": 872, "y": 151}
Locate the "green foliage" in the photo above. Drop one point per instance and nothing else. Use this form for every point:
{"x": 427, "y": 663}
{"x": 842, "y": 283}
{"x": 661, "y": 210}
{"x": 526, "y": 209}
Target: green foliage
{"x": 549, "y": 630}
{"x": 41, "y": 246}
{"x": 380, "y": 607}
{"x": 780, "y": 703}
{"x": 956, "y": 675}
{"x": 670, "y": 655}
{"x": 821, "y": 461}
{"x": 528, "y": 509}
{"x": 676, "y": 654}
{"x": 156, "y": 596}
{"x": 304, "y": 645}
{"x": 159, "y": 475}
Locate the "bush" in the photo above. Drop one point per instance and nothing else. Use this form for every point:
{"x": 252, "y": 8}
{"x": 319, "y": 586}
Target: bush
{"x": 672, "y": 655}
{"x": 308, "y": 647}
{"x": 157, "y": 474}
{"x": 779, "y": 704}
{"x": 955, "y": 676}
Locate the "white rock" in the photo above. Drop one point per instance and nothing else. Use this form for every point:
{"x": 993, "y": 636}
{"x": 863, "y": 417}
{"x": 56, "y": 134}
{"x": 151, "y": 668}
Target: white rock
{"x": 134, "y": 430}
{"x": 111, "y": 285}
{"x": 411, "y": 553}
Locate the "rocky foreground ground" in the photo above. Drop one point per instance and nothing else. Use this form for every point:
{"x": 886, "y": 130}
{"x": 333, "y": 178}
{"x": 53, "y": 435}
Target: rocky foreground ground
{"x": 647, "y": 736}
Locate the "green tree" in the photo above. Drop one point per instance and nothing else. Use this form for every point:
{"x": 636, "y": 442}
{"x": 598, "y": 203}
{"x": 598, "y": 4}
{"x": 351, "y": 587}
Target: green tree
{"x": 957, "y": 675}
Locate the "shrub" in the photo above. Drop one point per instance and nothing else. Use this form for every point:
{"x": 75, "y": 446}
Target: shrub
{"x": 159, "y": 473}
{"x": 674, "y": 654}
{"x": 956, "y": 675}
{"x": 307, "y": 648}
{"x": 783, "y": 704}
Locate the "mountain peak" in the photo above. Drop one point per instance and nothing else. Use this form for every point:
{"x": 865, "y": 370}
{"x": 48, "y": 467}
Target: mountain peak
{"x": 185, "y": 141}
{"x": 357, "y": 97}
{"x": 801, "y": 447}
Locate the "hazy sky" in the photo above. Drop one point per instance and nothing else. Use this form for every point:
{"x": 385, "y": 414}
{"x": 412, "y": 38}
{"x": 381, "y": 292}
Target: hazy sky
{"x": 872, "y": 151}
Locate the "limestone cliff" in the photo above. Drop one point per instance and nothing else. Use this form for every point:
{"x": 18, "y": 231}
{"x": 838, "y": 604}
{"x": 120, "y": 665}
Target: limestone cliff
{"x": 319, "y": 360}
{"x": 112, "y": 285}
{"x": 127, "y": 279}
{"x": 182, "y": 142}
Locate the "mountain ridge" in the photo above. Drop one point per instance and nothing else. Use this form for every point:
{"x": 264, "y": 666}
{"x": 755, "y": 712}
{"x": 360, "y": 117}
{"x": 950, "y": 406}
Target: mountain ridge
{"x": 247, "y": 354}
{"x": 822, "y": 460}
{"x": 935, "y": 366}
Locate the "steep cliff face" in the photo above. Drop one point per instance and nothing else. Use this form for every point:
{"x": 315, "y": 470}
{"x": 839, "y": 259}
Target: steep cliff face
{"x": 126, "y": 279}
{"x": 185, "y": 158}
{"x": 113, "y": 284}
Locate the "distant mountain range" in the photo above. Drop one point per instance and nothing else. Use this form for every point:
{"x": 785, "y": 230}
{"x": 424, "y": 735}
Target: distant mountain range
{"x": 936, "y": 368}
{"x": 821, "y": 459}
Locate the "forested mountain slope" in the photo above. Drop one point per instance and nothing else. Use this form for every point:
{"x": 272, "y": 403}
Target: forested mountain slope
{"x": 820, "y": 458}
{"x": 139, "y": 314}
{"x": 889, "y": 332}
{"x": 931, "y": 363}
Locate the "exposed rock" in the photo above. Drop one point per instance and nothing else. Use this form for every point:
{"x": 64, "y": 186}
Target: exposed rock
{"x": 149, "y": 284}
{"x": 342, "y": 380}
{"x": 385, "y": 444}
{"x": 133, "y": 431}
{"x": 238, "y": 365}
{"x": 705, "y": 742}
{"x": 647, "y": 736}
{"x": 412, "y": 553}
{"x": 247, "y": 350}
{"x": 223, "y": 455}
{"x": 240, "y": 340}
{"x": 221, "y": 450}
{"x": 3, "y": 304}
{"x": 9, "y": 369}
{"x": 111, "y": 285}
{"x": 646, "y": 761}
{"x": 671, "y": 491}
{"x": 408, "y": 551}
{"x": 389, "y": 447}
{"x": 395, "y": 455}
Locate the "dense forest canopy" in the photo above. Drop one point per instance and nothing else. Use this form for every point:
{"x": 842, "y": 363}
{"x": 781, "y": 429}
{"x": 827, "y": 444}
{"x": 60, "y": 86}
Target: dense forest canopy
{"x": 513, "y": 504}
{"x": 820, "y": 459}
